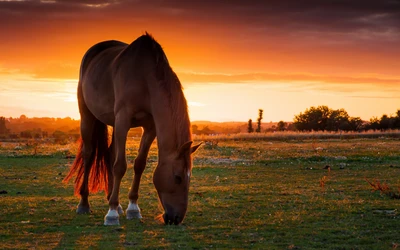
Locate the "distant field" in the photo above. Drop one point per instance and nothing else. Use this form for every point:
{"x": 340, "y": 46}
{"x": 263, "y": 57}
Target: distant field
{"x": 293, "y": 135}
{"x": 245, "y": 193}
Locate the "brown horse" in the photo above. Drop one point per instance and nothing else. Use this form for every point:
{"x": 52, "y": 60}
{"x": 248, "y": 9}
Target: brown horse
{"x": 126, "y": 86}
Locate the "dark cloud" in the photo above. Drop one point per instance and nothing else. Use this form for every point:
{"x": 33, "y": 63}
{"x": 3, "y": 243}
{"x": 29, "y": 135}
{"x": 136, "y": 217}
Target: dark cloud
{"x": 369, "y": 25}
{"x": 253, "y": 17}
{"x": 312, "y": 14}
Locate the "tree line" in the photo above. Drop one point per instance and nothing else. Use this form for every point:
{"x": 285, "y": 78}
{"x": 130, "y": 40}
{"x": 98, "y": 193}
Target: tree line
{"x": 323, "y": 118}
{"x": 59, "y": 129}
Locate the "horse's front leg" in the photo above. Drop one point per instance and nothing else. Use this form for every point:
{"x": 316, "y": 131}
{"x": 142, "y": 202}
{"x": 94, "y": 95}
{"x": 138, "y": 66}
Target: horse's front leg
{"x": 121, "y": 128}
{"x": 133, "y": 210}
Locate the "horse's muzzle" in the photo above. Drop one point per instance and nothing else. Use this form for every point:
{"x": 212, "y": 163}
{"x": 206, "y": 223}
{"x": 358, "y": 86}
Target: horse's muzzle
{"x": 169, "y": 220}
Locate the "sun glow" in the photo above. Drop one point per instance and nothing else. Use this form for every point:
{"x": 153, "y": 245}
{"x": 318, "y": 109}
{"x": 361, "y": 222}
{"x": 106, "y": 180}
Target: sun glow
{"x": 196, "y": 104}
{"x": 24, "y": 94}
{"x": 229, "y": 67}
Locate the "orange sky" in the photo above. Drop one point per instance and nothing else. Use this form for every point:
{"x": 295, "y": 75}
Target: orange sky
{"x": 233, "y": 57}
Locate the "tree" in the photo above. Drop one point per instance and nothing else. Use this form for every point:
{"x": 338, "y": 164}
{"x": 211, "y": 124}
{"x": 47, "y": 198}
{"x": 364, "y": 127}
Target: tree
{"x": 260, "y": 117}
{"x": 373, "y": 123}
{"x": 206, "y": 131}
{"x": 385, "y": 122}
{"x": 356, "y": 124}
{"x": 338, "y": 120}
{"x": 388, "y": 122}
{"x": 250, "y": 126}
{"x": 323, "y": 118}
{"x": 397, "y": 120}
{"x": 281, "y": 126}
{"x": 195, "y": 129}
{"x": 3, "y": 128}
{"x": 314, "y": 118}
{"x": 26, "y": 134}
{"x": 290, "y": 127}
{"x": 60, "y": 137}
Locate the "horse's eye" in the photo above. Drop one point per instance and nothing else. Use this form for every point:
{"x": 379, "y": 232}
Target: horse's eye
{"x": 178, "y": 179}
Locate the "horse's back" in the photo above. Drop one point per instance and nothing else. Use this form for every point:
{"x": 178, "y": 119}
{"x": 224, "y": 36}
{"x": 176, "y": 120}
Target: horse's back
{"x": 116, "y": 76}
{"x": 95, "y": 79}
{"x": 96, "y": 49}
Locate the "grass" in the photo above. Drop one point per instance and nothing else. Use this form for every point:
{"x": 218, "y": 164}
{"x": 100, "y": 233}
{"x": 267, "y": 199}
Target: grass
{"x": 294, "y": 135}
{"x": 248, "y": 193}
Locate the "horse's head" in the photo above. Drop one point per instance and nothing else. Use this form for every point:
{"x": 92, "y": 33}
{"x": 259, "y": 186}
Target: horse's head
{"x": 171, "y": 179}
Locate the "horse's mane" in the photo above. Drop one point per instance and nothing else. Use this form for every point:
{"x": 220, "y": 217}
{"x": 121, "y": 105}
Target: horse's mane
{"x": 169, "y": 81}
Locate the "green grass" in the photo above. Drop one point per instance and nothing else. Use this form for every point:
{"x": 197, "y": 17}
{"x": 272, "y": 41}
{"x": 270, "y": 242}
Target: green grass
{"x": 244, "y": 194}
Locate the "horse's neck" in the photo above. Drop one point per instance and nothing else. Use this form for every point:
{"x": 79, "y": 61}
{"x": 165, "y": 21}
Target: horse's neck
{"x": 170, "y": 135}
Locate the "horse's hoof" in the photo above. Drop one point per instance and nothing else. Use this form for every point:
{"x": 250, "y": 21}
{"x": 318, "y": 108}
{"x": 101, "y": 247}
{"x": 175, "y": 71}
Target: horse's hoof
{"x": 133, "y": 211}
{"x": 112, "y": 218}
{"x": 114, "y": 221}
{"x": 83, "y": 210}
{"x": 111, "y": 221}
{"x": 133, "y": 214}
{"x": 120, "y": 210}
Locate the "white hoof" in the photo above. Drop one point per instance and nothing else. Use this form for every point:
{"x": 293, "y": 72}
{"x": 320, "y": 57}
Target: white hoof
{"x": 133, "y": 211}
{"x": 111, "y": 218}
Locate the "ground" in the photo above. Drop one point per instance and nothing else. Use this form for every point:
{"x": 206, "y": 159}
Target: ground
{"x": 245, "y": 193}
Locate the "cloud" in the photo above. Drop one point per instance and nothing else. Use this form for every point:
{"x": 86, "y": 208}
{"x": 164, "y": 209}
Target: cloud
{"x": 43, "y": 71}
{"x": 23, "y": 83}
{"x": 257, "y": 15}
{"x": 57, "y": 77}
{"x": 48, "y": 38}
{"x": 272, "y": 77}
{"x": 6, "y": 71}
{"x": 375, "y": 87}
{"x": 56, "y": 71}
{"x": 251, "y": 23}
{"x": 377, "y": 97}
{"x": 59, "y": 71}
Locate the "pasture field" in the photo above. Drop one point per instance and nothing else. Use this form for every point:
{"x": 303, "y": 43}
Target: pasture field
{"x": 245, "y": 193}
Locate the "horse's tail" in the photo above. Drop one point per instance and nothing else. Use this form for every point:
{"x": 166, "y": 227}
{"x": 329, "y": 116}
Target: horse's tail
{"x": 99, "y": 162}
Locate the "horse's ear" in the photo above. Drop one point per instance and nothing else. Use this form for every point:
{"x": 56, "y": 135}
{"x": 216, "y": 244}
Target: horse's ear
{"x": 188, "y": 147}
{"x": 194, "y": 148}
{"x": 185, "y": 147}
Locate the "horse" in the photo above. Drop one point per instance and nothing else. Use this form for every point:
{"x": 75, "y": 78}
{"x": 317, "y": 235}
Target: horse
{"x": 125, "y": 86}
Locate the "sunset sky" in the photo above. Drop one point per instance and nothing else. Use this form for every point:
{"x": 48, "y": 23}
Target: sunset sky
{"x": 232, "y": 56}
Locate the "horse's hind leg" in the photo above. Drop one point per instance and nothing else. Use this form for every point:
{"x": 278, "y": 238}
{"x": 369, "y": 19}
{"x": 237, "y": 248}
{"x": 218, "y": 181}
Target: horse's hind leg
{"x": 121, "y": 128}
{"x": 133, "y": 210}
{"x": 110, "y": 161}
{"x": 88, "y": 154}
